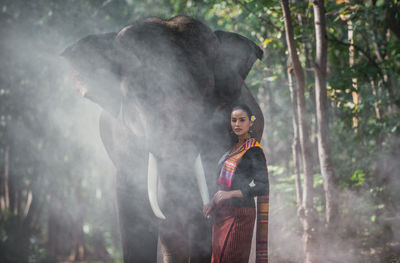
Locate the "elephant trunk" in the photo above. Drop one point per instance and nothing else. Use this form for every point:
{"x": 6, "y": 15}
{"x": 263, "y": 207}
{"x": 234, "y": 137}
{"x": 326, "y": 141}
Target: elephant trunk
{"x": 152, "y": 184}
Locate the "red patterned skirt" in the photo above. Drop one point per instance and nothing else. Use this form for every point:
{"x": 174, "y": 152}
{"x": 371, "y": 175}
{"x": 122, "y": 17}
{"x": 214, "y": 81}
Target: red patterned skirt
{"x": 232, "y": 234}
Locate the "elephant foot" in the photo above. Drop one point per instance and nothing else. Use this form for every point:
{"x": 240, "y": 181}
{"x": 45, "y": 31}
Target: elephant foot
{"x": 174, "y": 258}
{"x": 174, "y": 249}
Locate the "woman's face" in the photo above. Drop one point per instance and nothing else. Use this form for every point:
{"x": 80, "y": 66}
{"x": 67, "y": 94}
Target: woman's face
{"x": 240, "y": 122}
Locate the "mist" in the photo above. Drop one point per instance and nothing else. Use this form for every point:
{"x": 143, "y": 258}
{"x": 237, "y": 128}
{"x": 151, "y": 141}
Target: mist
{"x": 65, "y": 181}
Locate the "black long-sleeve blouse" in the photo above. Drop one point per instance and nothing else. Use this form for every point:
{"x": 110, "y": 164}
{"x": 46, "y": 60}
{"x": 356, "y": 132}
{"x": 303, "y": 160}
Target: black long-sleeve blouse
{"x": 252, "y": 166}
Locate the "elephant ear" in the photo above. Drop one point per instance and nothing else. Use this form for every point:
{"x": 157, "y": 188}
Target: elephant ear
{"x": 96, "y": 69}
{"x": 93, "y": 51}
{"x": 236, "y": 55}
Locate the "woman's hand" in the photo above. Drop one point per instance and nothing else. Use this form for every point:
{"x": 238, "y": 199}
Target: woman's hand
{"x": 225, "y": 195}
{"x": 221, "y": 196}
{"x": 207, "y": 209}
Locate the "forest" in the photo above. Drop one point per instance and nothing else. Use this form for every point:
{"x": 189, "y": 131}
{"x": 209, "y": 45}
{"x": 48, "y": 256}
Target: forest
{"x": 329, "y": 88}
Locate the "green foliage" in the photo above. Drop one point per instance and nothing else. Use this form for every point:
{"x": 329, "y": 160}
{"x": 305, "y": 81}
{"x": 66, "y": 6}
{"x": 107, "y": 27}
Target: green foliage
{"x": 358, "y": 178}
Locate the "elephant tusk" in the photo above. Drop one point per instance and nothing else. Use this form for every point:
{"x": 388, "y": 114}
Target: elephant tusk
{"x": 201, "y": 180}
{"x": 152, "y": 185}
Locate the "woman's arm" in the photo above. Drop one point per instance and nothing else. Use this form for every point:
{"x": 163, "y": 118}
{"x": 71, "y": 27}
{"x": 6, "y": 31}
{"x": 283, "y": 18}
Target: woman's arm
{"x": 218, "y": 197}
{"x": 225, "y": 195}
{"x": 260, "y": 173}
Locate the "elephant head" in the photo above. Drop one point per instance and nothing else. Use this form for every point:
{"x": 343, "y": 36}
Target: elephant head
{"x": 95, "y": 70}
{"x": 167, "y": 88}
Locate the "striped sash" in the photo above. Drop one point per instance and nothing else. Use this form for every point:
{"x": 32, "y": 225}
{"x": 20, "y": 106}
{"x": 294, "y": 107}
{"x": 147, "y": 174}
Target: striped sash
{"x": 231, "y": 161}
{"x": 262, "y": 229}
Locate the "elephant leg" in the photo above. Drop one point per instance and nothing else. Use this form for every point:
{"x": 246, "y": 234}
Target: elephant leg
{"x": 174, "y": 240}
{"x": 199, "y": 239}
{"x": 185, "y": 234}
{"x": 138, "y": 225}
{"x": 181, "y": 241}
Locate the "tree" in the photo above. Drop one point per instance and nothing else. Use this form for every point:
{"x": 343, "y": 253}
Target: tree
{"x": 321, "y": 101}
{"x": 306, "y": 212}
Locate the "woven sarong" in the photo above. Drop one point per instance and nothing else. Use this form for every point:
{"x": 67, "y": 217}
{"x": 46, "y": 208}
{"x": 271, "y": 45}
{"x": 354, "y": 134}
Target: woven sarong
{"x": 224, "y": 183}
{"x": 232, "y": 234}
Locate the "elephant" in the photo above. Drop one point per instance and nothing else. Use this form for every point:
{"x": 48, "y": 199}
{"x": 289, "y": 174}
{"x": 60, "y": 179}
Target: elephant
{"x": 166, "y": 87}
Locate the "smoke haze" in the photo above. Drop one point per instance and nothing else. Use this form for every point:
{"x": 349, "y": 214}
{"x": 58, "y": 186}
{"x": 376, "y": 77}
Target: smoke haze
{"x": 57, "y": 152}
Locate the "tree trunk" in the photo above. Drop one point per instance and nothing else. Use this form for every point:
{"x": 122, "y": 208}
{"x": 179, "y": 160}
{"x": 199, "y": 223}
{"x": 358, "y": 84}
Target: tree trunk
{"x": 385, "y": 81}
{"x": 78, "y": 238}
{"x": 325, "y": 160}
{"x": 354, "y": 81}
{"x": 28, "y": 203}
{"x": 392, "y": 18}
{"x": 6, "y": 175}
{"x": 306, "y": 43}
{"x": 307, "y": 213}
{"x": 12, "y": 194}
{"x": 52, "y": 230}
{"x": 295, "y": 145}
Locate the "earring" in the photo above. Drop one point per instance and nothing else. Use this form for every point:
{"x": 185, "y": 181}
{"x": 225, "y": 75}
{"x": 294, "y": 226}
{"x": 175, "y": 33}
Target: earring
{"x": 251, "y": 132}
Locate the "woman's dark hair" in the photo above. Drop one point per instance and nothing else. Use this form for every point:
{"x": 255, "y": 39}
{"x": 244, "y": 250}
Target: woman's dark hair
{"x": 244, "y": 108}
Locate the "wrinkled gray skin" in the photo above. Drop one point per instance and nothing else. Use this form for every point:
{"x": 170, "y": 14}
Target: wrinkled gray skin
{"x": 166, "y": 87}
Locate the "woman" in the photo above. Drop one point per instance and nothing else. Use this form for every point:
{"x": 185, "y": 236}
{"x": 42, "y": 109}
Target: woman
{"x": 233, "y": 206}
